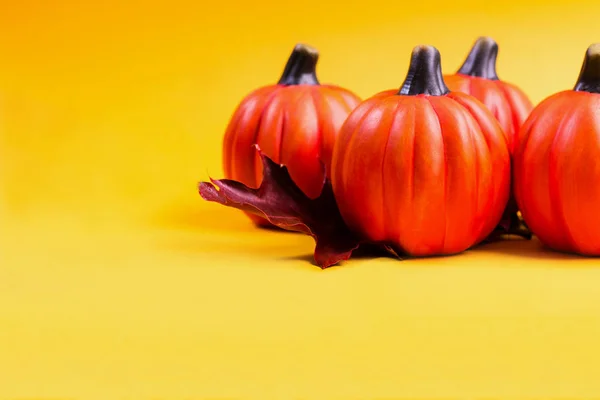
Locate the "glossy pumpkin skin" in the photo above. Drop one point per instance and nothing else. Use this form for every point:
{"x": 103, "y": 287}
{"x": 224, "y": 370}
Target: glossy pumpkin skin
{"x": 509, "y": 104}
{"x": 477, "y": 77}
{"x": 425, "y": 174}
{"x": 294, "y": 122}
{"x": 557, "y": 166}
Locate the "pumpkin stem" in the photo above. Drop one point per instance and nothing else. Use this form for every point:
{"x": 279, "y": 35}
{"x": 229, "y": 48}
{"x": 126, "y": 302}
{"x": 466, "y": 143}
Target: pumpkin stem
{"x": 589, "y": 77}
{"x": 481, "y": 61}
{"x": 301, "y": 67}
{"x": 424, "y": 73}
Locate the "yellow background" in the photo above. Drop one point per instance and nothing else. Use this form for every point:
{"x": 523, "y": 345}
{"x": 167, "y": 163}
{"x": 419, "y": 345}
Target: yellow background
{"x": 117, "y": 281}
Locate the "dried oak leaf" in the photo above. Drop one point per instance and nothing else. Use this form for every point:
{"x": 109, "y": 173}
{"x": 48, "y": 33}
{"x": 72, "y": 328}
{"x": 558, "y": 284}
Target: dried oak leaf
{"x": 280, "y": 201}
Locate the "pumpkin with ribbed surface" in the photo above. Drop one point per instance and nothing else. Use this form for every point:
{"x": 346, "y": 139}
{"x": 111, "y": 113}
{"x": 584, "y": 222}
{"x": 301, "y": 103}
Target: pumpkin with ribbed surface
{"x": 557, "y": 165}
{"x": 294, "y": 122}
{"x": 423, "y": 170}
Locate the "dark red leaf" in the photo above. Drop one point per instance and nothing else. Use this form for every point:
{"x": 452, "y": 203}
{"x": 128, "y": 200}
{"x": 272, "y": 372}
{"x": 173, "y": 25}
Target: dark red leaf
{"x": 280, "y": 201}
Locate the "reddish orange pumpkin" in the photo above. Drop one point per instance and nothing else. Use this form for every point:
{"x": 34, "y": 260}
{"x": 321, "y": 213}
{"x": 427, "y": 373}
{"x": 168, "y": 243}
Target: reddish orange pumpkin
{"x": 422, "y": 169}
{"x": 477, "y": 77}
{"x": 557, "y": 165}
{"x": 294, "y": 122}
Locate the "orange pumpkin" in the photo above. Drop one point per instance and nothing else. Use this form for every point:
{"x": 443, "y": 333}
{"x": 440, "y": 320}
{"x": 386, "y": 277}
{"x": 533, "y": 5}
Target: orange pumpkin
{"x": 422, "y": 169}
{"x": 477, "y": 77}
{"x": 557, "y": 165}
{"x": 294, "y": 122}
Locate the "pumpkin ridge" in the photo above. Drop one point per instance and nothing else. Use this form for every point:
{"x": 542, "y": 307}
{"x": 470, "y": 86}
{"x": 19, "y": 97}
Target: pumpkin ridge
{"x": 554, "y": 193}
{"x": 385, "y": 150}
{"x": 475, "y": 124}
{"x": 445, "y": 174}
{"x": 323, "y": 105}
{"x": 349, "y": 142}
{"x": 257, "y": 164}
{"x": 233, "y": 126}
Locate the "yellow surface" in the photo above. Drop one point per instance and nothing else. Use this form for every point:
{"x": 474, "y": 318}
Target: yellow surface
{"x": 117, "y": 281}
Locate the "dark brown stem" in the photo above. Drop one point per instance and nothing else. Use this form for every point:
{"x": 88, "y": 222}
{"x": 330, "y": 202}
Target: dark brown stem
{"x": 589, "y": 77}
{"x": 481, "y": 61}
{"x": 301, "y": 67}
{"x": 424, "y": 74}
